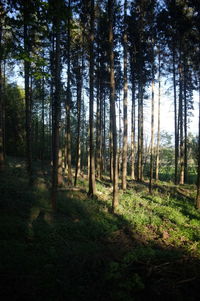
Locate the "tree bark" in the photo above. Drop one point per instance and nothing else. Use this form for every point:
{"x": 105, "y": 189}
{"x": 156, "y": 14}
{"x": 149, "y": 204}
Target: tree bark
{"x": 78, "y": 145}
{"x": 158, "y": 131}
{"x": 56, "y": 113}
{"x": 133, "y": 124}
{"x": 68, "y": 100}
{"x": 176, "y": 130}
{"x": 125, "y": 103}
{"x": 152, "y": 134}
{"x": 27, "y": 47}
{"x": 1, "y": 100}
{"x": 92, "y": 182}
{"x": 112, "y": 105}
{"x": 198, "y": 175}
{"x": 181, "y": 180}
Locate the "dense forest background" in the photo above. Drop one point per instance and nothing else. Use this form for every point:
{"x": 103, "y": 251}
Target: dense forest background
{"x": 78, "y": 82}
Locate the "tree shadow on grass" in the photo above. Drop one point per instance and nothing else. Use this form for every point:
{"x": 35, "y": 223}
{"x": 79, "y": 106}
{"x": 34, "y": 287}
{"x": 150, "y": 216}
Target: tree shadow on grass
{"x": 85, "y": 253}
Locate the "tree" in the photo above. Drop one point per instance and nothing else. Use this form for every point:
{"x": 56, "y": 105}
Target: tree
{"x": 56, "y": 9}
{"x": 92, "y": 182}
{"x": 125, "y": 103}
{"x": 1, "y": 94}
{"x": 111, "y": 4}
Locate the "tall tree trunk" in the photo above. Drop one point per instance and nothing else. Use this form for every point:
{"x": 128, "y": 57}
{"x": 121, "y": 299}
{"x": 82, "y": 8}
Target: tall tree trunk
{"x": 185, "y": 123}
{"x": 111, "y": 148}
{"x": 176, "y": 130}
{"x": 181, "y": 180}
{"x": 111, "y": 4}
{"x": 120, "y": 139}
{"x": 98, "y": 123}
{"x": 27, "y": 94}
{"x": 158, "y": 130}
{"x": 68, "y": 100}
{"x": 198, "y": 175}
{"x": 140, "y": 131}
{"x": 42, "y": 143}
{"x": 152, "y": 133}
{"x": 1, "y": 101}
{"x": 78, "y": 145}
{"x": 92, "y": 182}
{"x": 56, "y": 113}
{"x": 125, "y": 103}
{"x": 133, "y": 123}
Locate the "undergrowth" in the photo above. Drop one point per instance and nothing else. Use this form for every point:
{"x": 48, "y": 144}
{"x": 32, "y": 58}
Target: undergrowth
{"x": 149, "y": 248}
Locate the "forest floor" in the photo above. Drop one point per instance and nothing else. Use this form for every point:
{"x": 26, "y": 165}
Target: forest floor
{"x": 148, "y": 250}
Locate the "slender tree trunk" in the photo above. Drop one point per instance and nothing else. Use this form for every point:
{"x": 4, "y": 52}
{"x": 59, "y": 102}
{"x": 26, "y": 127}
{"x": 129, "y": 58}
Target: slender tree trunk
{"x": 181, "y": 180}
{"x": 112, "y": 105}
{"x": 152, "y": 134}
{"x": 176, "y": 135}
{"x": 120, "y": 139}
{"x": 98, "y": 122}
{"x": 27, "y": 95}
{"x": 92, "y": 182}
{"x": 68, "y": 100}
{"x": 104, "y": 136}
{"x": 56, "y": 114}
{"x": 78, "y": 147}
{"x": 185, "y": 123}
{"x": 1, "y": 103}
{"x": 111, "y": 148}
{"x": 42, "y": 143}
{"x": 158, "y": 131}
{"x": 125, "y": 103}
{"x": 198, "y": 175}
{"x": 140, "y": 132}
{"x": 133, "y": 124}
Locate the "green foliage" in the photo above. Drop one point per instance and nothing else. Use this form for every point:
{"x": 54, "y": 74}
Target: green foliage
{"x": 85, "y": 252}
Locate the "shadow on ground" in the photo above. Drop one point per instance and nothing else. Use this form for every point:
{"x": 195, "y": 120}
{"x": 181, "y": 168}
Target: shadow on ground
{"x": 82, "y": 252}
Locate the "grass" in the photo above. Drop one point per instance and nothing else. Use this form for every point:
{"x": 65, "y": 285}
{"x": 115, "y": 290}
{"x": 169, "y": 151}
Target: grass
{"x": 149, "y": 248}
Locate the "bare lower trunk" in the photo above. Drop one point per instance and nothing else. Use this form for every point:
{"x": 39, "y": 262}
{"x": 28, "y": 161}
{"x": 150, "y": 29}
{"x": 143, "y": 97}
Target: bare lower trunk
{"x": 176, "y": 136}
{"x": 56, "y": 116}
{"x": 198, "y": 176}
{"x": 158, "y": 131}
{"x": 112, "y": 106}
{"x": 152, "y": 137}
{"x": 181, "y": 180}
{"x": 68, "y": 102}
{"x": 133, "y": 126}
{"x": 27, "y": 96}
{"x": 78, "y": 146}
{"x": 125, "y": 103}
{"x": 1, "y": 107}
{"x": 92, "y": 182}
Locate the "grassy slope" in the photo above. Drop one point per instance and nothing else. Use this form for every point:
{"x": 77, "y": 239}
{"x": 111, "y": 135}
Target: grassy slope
{"x": 150, "y": 249}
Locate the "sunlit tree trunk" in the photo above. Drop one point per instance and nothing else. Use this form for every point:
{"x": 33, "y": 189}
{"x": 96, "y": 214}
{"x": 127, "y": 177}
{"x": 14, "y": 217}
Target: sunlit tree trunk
{"x": 176, "y": 130}
{"x": 152, "y": 135}
{"x": 198, "y": 176}
{"x": 112, "y": 105}
{"x": 158, "y": 130}
{"x": 125, "y": 103}
{"x": 92, "y": 181}
{"x": 185, "y": 123}
{"x": 181, "y": 180}
{"x": 133, "y": 124}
